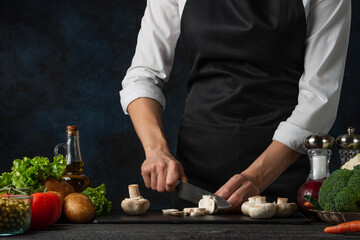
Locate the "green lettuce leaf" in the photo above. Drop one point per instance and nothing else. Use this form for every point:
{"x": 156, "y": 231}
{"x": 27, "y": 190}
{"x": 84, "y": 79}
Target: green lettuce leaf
{"x": 97, "y": 196}
{"x": 29, "y": 173}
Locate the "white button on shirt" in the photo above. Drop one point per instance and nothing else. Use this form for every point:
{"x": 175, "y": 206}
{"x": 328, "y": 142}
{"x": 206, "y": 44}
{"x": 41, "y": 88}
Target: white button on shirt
{"x": 328, "y": 28}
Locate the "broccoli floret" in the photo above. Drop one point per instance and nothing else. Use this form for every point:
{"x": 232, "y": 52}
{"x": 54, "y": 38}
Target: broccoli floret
{"x": 354, "y": 182}
{"x": 346, "y": 201}
{"x": 357, "y": 168}
{"x": 331, "y": 195}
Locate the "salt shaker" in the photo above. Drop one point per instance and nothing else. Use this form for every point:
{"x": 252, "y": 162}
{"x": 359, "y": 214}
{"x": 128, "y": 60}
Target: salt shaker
{"x": 319, "y": 153}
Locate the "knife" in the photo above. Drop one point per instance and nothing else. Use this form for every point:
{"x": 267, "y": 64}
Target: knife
{"x": 193, "y": 194}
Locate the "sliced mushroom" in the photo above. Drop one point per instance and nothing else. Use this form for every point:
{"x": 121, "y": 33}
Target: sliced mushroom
{"x": 245, "y": 205}
{"x": 136, "y": 204}
{"x": 285, "y": 209}
{"x": 195, "y": 214}
{"x": 178, "y": 213}
{"x": 168, "y": 211}
{"x": 209, "y": 203}
{"x": 194, "y": 211}
{"x": 262, "y": 209}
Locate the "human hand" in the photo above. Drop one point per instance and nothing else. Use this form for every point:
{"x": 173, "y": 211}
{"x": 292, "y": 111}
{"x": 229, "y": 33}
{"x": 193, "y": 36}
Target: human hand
{"x": 237, "y": 190}
{"x": 161, "y": 171}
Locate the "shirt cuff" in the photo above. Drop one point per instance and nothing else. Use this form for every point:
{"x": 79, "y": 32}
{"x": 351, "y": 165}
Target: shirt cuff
{"x": 292, "y": 136}
{"x": 141, "y": 89}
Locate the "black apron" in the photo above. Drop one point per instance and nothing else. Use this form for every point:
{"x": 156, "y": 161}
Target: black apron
{"x": 246, "y": 59}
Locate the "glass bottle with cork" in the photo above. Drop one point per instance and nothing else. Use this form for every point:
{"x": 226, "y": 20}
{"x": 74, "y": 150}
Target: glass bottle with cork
{"x": 74, "y": 167}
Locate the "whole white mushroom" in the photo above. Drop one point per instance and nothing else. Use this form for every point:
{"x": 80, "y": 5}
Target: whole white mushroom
{"x": 136, "y": 204}
{"x": 262, "y": 209}
{"x": 245, "y": 206}
{"x": 285, "y": 209}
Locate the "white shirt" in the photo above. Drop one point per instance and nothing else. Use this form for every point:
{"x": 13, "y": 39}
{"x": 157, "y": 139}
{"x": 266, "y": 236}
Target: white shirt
{"x": 328, "y": 28}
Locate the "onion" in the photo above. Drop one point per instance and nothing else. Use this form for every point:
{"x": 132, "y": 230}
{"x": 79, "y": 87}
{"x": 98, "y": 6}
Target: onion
{"x": 308, "y": 188}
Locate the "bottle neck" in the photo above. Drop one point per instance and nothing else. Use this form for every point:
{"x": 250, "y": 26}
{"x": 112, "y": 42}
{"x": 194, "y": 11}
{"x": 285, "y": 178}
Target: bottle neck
{"x": 319, "y": 163}
{"x": 73, "y": 156}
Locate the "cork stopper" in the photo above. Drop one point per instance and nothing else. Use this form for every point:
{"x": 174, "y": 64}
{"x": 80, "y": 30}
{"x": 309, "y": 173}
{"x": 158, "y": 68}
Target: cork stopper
{"x": 71, "y": 130}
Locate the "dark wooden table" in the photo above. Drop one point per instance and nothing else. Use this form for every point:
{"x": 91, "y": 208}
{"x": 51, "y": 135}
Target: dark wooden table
{"x": 183, "y": 231}
{"x": 157, "y": 226}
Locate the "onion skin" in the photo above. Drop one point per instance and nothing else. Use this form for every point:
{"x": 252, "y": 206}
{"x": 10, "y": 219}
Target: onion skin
{"x": 308, "y": 188}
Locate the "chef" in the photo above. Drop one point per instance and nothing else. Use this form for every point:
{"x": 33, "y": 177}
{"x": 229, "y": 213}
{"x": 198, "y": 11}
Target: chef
{"x": 264, "y": 75}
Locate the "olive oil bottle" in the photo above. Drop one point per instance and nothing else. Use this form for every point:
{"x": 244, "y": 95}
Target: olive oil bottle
{"x": 74, "y": 166}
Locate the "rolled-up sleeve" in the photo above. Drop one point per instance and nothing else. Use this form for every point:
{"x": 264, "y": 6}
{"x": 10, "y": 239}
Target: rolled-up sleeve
{"x": 154, "y": 54}
{"x": 327, "y": 40}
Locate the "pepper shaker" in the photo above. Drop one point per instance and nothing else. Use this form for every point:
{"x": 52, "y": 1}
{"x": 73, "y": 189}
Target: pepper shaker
{"x": 349, "y": 145}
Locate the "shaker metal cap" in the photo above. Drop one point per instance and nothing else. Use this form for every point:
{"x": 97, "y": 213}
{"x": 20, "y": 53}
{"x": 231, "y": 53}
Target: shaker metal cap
{"x": 349, "y": 140}
{"x": 320, "y": 141}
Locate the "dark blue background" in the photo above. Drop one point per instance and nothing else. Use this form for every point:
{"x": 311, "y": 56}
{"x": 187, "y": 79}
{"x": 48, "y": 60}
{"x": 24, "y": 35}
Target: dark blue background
{"x": 62, "y": 62}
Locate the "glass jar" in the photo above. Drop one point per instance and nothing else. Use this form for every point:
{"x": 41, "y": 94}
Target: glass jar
{"x": 17, "y": 215}
{"x": 319, "y": 163}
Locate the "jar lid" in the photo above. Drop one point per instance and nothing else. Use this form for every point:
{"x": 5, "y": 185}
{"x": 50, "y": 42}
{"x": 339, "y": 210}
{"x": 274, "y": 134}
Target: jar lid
{"x": 320, "y": 141}
{"x": 349, "y": 141}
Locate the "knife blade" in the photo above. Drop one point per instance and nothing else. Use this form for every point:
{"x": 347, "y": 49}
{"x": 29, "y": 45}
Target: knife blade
{"x": 193, "y": 194}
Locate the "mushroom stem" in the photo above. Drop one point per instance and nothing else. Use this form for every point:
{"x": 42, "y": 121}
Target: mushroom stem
{"x": 260, "y": 200}
{"x": 134, "y": 191}
{"x": 252, "y": 199}
{"x": 282, "y": 200}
